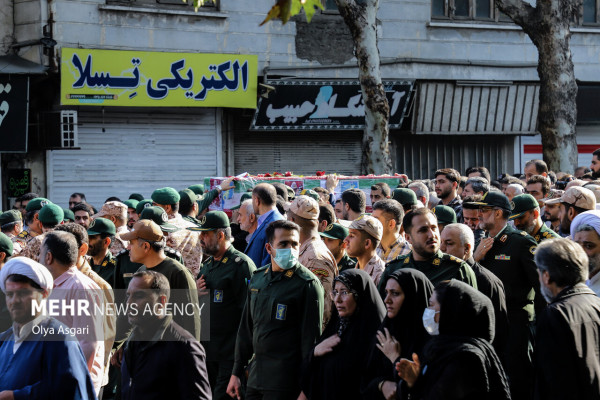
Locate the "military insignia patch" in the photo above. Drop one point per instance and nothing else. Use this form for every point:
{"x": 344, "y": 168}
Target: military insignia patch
{"x": 512, "y": 205}
{"x": 203, "y": 221}
{"x": 503, "y": 238}
{"x": 289, "y": 273}
{"x": 104, "y": 263}
{"x": 91, "y": 225}
{"x": 319, "y": 272}
{"x": 502, "y": 257}
{"x": 437, "y": 261}
{"x": 218, "y": 296}
{"x": 537, "y": 237}
{"x": 225, "y": 259}
{"x": 532, "y": 249}
{"x": 147, "y": 205}
{"x": 281, "y": 312}
{"x": 164, "y": 217}
{"x": 43, "y": 203}
{"x": 329, "y": 227}
{"x": 238, "y": 259}
{"x": 406, "y": 260}
{"x": 127, "y": 275}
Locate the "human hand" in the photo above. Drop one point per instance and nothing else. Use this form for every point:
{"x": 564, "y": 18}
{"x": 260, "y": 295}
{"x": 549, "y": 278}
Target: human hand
{"x": 7, "y": 395}
{"x": 331, "y": 183}
{"x": 388, "y": 389}
{"x": 484, "y": 246}
{"x": 228, "y": 184}
{"x": 117, "y": 357}
{"x": 409, "y": 370}
{"x": 234, "y": 387}
{"x": 327, "y": 345}
{"x": 388, "y": 345}
{"x": 201, "y": 286}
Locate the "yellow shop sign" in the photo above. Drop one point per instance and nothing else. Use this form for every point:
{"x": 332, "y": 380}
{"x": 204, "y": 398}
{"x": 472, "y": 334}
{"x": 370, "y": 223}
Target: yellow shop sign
{"x": 153, "y": 79}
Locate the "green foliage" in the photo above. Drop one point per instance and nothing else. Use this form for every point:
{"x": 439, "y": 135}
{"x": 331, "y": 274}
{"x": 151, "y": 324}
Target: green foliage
{"x": 284, "y": 9}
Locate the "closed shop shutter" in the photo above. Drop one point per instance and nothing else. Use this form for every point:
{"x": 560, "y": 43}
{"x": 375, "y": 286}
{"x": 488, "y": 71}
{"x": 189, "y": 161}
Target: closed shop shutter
{"x": 303, "y": 153}
{"x": 122, "y": 153}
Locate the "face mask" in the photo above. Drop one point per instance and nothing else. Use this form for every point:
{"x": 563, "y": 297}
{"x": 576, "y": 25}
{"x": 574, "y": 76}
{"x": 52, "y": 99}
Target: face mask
{"x": 286, "y": 258}
{"x": 432, "y": 327}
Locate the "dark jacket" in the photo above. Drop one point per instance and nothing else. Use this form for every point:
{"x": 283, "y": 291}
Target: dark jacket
{"x": 167, "y": 364}
{"x": 567, "y": 343}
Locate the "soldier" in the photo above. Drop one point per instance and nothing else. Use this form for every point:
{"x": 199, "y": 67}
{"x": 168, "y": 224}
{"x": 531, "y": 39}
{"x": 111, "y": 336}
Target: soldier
{"x": 160, "y": 218}
{"x": 392, "y": 244}
{"x": 101, "y": 233}
{"x": 527, "y": 217}
{"x": 334, "y": 236}
{"x": 188, "y": 205}
{"x": 508, "y": 254}
{"x": 422, "y": 232}
{"x": 11, "y": 223}
{"x": 280, "y": 322}
{"x": 574, "y": 201}
{"x": 69, "y": 215}
{"x": 223, "y": 281}
{"x": 48, "y": 217}
{"x": 364, "y": 235}
{"x": 205, "y": 199}
{"x": 406, "y": 197}
{"x": 34, "y": 226}
{"x": 314, "y": 255}
{"x": 445, "y": 215}
{"x": 146, "y": 246}
{"x": 117, "y": 213}
{"x": 132, "y": 216}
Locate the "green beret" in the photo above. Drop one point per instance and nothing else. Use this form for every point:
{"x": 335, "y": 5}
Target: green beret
{"x": 6, "y": 245}
{"x": 69, "y": 215}
{"x": 310, "y": 193}
{"x": 37, "y": 204}
{"x": 99, "y": 226}
{"x": 335, "y": 231}
{"x": 187, "y": 198}
{"x": 10, "y": 216}
{"x": 445, "y": 215}
{"x": 198, "y": 189}
{"x": 406, "y": 197}
{"x": 131, "y": 203}
{"x": 165, "y": 196}
{"x": 136, "y": 196}
{"x": 245, "y": 196}
{"x": 160, "y": 217}
{"x": 51, "y": 214}
{"x": 142, "y": 204}
{"x": 521, "y": 204}
{"x": 212, "y": 220}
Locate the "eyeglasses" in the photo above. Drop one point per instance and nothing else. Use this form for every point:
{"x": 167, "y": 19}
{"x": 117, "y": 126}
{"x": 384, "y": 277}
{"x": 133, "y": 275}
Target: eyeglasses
{"x": 343, "y": 294}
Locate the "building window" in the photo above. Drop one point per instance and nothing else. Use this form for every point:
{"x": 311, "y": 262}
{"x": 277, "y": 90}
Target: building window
{"x": 467, "y": 10}
{"x": 174, "y": 4}
{"x": 68, "y": 128}
{"x": 591, "y": 12}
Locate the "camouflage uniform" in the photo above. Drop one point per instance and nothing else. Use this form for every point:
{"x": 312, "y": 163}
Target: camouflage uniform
{"x": 374, "y": 268}
{"x": 186, "y": 242}
{"x": 32, "y": 249}
{"x": 118, "y": 244}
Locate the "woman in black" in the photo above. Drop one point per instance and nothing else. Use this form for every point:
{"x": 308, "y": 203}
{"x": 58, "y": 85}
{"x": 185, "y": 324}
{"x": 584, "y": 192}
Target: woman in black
{"x": 458, "y": 362}
{"x": 401, "y": 334}
{"x": 334, "y": 368}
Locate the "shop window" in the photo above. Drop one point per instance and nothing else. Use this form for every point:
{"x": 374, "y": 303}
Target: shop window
{"x": 467, "y": 10}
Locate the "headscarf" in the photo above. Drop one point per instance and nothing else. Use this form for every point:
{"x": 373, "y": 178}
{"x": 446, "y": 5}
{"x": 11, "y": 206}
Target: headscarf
{"x": 407, "y": 325}
{"x": 29, "y": 268}
{"x": 591, "y": 218}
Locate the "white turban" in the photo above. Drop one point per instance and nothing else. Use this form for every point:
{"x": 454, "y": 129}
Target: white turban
{"x": 29, "y": 268}
{"x": 591, "y": 218}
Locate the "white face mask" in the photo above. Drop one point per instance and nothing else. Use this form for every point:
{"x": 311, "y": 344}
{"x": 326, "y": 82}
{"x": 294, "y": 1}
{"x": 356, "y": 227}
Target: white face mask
{"x": 432, "y": 327}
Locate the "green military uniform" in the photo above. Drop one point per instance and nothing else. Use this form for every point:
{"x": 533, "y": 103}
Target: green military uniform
{"x": 545, "y": 233}
{"x": 346, "y": 262}
{"x": 440, "y": 267}
{"x": 227, "y": 281}
{"x": 191, "y": 219}
{"x": 280, "y": 323}
{"x": 207, "y": 198}
{"x": 106, "y": 269}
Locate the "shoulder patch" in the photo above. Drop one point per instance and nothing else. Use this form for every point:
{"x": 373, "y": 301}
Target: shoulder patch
{"x": 289, "y": 273}
{"x": 406, "y": 260}
{"x": 320, "y": 272}
{"x": 436, "y": 261}
{"x": 532, "y": 249}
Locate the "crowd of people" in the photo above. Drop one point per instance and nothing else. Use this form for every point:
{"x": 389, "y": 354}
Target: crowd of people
{"x": 455, "y": 287}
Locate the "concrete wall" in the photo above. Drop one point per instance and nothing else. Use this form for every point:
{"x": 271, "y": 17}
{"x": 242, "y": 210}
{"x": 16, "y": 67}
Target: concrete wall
{"x": 6, "y": 25}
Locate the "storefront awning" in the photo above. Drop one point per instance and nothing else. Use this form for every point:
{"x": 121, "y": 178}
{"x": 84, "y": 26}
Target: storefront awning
{"x": 13, "y": 64}
{"x": 324, "y": 105}
{"x": 466, "y": 108}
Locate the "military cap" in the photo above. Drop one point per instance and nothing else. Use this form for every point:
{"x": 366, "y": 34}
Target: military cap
{"x": 131, "y": 203}
{"x": 136, "y": 196}
{"x": 113, "y": 209}
{"x": 145, "y": 229}
{"x": 291, "y": 193}
{"x": 37, "y": 204}
{"x": 310, "y": 193}
{"x": 6, "y": 245}
{"x": 10, "y": 216}
{"x": 304, "y": 207}
{"x": 494, "y": 199}
{"x": 143, "y": 204}
{"x": 212, "y": 220}
{"x": 576, "y": 196}
{"x": 406, "y": 197}
{"x": 369, "y": 224}
{"x": 198, "y": 189}
{"x": 445, "y": 214}
{"x": 69, "y": 215}
{"x": 99, "y": 226}
{"x": 166, "y": 195}
{"x": 521, "y": 204}
{"x": 187, "y": 197}
{"x": 335, "y": 231}
{"x": 245, "y": 196}
{"x": 51, "y": 214}
{"x": 160, "y": 217}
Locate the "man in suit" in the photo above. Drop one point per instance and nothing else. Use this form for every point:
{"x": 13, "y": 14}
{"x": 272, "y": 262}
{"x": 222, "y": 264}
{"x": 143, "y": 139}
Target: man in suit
{"x": 264, "y": 201}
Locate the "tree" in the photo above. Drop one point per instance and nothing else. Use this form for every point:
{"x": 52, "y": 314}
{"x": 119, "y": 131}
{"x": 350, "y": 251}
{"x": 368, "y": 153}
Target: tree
{"x": 361, "y": 18}
{"x": 548, "y": 26}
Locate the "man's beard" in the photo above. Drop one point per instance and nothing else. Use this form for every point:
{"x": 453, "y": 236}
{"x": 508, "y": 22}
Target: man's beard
{"x": 546, "y": 293}
{"x": 594, "y": 264}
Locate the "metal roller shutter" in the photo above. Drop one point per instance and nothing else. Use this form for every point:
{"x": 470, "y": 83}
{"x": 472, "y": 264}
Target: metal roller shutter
{"x": 122, "y": 153}
{"x": 303, "y": 153}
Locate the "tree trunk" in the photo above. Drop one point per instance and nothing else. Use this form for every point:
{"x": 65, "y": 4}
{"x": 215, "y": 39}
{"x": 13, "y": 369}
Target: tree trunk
{"x": 548, "y": 26}
{"x": 361, "y": 19}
